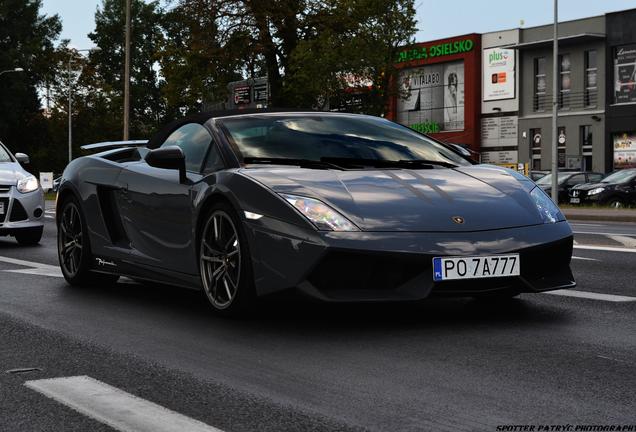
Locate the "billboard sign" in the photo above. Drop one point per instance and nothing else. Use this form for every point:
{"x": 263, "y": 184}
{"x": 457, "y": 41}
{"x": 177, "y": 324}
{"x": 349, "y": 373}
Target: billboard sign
{"x": 625, "y": 150}
{"x": 498, "y": 74}
{"x": 625, "y": 74}
{"x": 434, "y": 97}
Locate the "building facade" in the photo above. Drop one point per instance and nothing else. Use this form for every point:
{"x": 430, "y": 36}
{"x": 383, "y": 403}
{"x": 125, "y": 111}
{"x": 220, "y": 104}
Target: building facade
{"x": 581, "y": 95}
{"x": 621, "y": 89}
{"x": 439, "y": 89}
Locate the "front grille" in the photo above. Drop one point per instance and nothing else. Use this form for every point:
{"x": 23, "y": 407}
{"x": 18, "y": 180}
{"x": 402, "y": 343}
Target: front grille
{"x": 5, "y": 188}
{"x": 340, "y": 270}
{"x": 5, "y": 202}
{"x": 18, "y": 212}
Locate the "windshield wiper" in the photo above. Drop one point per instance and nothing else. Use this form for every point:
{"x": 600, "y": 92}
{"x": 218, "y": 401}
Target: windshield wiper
{"x": 303, "y": 163}
{"x": 381, "y": 163}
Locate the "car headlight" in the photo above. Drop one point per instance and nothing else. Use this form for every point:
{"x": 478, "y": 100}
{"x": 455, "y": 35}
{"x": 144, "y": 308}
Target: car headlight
{"x": 596, "y": 191}
{"x": 27, "y": 184}
{"x": 320, "y": 214}
{"x": 548, "y": 210}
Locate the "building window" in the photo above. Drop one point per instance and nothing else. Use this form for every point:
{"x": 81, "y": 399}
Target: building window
{"x": 540, "y": 84}
{"x": 591, "y": 92}
{"x": 535, "y": 148}
{"x": 561, "y": 146}
{"x": 586, "y": 147}
{"x": 565, "y": 81}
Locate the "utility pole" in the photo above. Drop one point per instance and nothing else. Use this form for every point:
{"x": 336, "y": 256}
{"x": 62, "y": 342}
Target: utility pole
{"x": 555, "y": 105}
{"x": 127, "y": 76}
{"x": 70, "y": 111}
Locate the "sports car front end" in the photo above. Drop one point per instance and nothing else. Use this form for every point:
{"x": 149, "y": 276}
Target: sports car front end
{"x": 376, "y": 235}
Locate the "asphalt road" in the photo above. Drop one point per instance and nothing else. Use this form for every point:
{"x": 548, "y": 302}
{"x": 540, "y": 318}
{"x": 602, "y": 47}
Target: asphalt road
{"x": 444, "y": 365}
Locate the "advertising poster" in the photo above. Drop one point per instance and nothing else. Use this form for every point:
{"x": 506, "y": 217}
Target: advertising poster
{"x": 434, "y": 99}
{"x": 625, "y": 74}
{"x": 498, "y": 74}
{"x": 625, "y": 150}
{"x": 499, "y": 131}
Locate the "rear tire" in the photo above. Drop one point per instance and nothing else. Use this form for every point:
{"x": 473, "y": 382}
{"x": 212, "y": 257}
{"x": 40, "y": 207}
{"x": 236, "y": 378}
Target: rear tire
{"x": 29, "y": 236}
{"x": 224, "y": 262}
{"x": 616, "y": 203}
{"x": 73, "y": 247}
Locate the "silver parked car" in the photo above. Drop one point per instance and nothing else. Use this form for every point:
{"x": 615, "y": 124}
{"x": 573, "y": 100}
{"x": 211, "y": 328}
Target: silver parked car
{"x": 21, "y": 199}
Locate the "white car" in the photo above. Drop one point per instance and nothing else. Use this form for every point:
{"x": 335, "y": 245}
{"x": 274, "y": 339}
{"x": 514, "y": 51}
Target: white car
{"x": 21, "y": 199}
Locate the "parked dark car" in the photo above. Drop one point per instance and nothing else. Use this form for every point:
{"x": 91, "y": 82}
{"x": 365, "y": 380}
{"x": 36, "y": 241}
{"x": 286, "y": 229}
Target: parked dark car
{"x": 616, "y": 190}
{"x": 536, "y": 175}
{"x": 567, "y": 180}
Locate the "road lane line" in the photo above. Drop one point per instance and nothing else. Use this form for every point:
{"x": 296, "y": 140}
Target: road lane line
{"x": 605, "y": 233}
{"x": 114, "y": 407}
{"x": 625, "y": 240}
{"x": 592, "y": 296}
{"x": 584, "y": 259}
{"x": 34, "y": 268}
{"x": 604, "y": 248}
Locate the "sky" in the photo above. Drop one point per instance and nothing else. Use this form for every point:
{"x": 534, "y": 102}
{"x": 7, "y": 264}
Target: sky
{"x": 436, "y": 18}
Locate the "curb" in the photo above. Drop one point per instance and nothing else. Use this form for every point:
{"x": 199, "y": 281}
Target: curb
{"x": 600, "y": 218}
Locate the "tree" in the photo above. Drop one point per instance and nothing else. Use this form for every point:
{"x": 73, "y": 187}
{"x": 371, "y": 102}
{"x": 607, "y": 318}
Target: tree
{"x": 312, "y": 50}
{"x": 196, "y": 62}
{"x": 147, "y": 105}
{"x": 26, "y": 40}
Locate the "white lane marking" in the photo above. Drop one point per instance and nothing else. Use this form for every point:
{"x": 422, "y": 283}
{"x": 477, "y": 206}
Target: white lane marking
{"x": 592, "y": 295}
{"x": 605, "y": 233}
{"x": 624, "y": 240}
{"x": 584, "y": 259}
{"x": 584, "y": 224}
{"x": 114, "y": 407}
{"x": 604, "y": 248}
{"x": 34, "y": 268}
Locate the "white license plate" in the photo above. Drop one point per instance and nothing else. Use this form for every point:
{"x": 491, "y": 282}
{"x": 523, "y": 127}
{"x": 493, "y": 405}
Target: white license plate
{"x": 575, "y": 200}
{"x": 1, "y": 208}
{"x": 476, "y": 267}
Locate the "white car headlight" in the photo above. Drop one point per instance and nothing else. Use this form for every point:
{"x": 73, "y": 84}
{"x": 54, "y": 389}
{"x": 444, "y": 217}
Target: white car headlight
{"x": 548, "y": 210}
{"x": 320, "y": 214}
{"x": 28, "y": 184}
{"x": 596, "y": 191}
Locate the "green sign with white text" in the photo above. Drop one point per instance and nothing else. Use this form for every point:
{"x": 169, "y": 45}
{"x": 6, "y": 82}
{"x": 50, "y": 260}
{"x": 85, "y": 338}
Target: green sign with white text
{"x": 440, "y": 50}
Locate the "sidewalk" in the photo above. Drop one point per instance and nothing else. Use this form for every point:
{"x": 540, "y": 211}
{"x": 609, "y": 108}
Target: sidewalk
{"x": 600, "y": 214}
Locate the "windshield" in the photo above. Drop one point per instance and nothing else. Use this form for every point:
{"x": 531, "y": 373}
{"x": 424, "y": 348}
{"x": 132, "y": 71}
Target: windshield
{"x": 547, "y": 180}
{"x": 315, "y": 137}
{"x": 4, "y": 155}
{"x": 619, "y": 177}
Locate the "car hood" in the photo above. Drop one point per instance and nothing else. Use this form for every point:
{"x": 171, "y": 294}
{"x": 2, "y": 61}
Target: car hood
{"x": 413, "y": 200}
{"x": 590, "y": 186}
{"x": 11, "y": 172}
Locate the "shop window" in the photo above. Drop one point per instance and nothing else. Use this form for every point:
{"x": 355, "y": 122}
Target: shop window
{"x": 586, "y": 147}
{"x": 535, "y": 148}
{"x": 591, "y": 89}
{"x": 565, "y": 81}
{"x": 540, "y": 84}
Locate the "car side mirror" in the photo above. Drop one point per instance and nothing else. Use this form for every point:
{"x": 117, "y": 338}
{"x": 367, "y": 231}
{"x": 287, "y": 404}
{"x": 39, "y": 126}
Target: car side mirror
{"x": 170, "y": 157}
{"x": 22, "y": 158}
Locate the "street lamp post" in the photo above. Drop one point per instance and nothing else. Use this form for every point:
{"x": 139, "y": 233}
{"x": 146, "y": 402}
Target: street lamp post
{"x": 555, "y": 105}
{"x": 70, "y": 101}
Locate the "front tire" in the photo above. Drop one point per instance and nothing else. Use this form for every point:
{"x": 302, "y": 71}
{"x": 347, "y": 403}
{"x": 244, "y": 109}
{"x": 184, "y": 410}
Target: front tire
{"x": 616, "y": 203}
{"x": 29, "y": 236}
{"x": 224, "y": 262}
{"x": 73, "y": 247}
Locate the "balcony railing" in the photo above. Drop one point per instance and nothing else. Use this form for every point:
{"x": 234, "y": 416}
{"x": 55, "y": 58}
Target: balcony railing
{"x": 567, "y": 101}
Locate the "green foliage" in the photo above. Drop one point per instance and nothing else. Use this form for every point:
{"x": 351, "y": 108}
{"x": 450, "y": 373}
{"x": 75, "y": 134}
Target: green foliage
{"x": 26, "y": 41}
{"x": 315, "y": 53}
